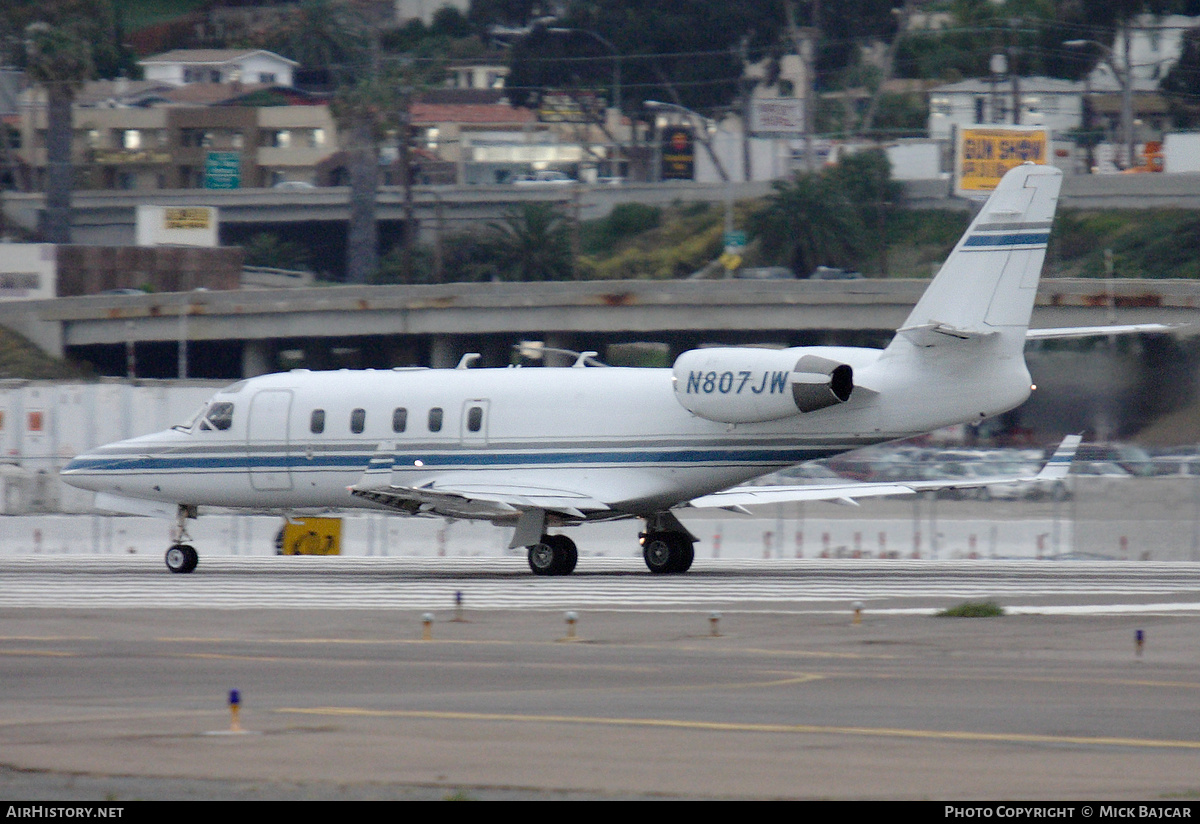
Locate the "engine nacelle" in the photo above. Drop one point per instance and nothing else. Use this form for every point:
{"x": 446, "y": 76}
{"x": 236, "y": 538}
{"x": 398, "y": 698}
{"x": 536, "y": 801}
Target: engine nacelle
{"x": 746, "y": 385}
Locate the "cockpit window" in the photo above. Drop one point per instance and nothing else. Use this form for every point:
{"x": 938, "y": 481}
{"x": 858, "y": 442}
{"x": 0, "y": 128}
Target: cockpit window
{"x": 219, "y": 416}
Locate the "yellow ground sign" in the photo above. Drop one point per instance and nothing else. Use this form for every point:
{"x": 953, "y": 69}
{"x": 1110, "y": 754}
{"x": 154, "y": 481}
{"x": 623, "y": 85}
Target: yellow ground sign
{"x": 183, "y": 217}
{"x": 312, "y": 536}
{"x": 983, "y": 155}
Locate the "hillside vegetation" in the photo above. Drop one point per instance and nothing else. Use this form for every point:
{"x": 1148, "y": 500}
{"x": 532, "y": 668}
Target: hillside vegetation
{"x": 678, "y": 240}
{"x": 21, "y": 359}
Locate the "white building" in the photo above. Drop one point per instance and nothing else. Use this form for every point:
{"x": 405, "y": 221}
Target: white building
{"x": 1155, "y": 44}
{"x": 184, "y": 66}
{"x": 1053, "y": 104}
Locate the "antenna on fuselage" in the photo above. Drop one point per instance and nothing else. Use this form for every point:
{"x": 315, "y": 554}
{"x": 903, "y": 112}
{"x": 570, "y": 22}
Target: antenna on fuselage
{"x": 536, "y": 350}
{"x": 466, "y": 360}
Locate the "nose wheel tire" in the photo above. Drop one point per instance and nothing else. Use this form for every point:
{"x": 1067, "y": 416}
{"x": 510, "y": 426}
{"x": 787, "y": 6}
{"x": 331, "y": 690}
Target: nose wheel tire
{"x": 182, "y": 558}
{"x": 667, "y": 552}
{"x": 553, "y": 555}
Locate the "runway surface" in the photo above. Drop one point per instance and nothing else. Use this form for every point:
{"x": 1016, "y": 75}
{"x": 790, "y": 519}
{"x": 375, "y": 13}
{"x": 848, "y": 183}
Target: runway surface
{"x": 116, "y": 675}
{"x": 224, "y": 582}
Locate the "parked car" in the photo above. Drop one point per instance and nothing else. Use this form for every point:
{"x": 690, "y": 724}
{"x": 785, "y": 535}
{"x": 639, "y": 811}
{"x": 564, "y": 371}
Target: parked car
{"x": 765, "y": 273}
{"x": 293, "y": 186}
{"x": 547, "y": 177}
{"x": 830, "y": 273}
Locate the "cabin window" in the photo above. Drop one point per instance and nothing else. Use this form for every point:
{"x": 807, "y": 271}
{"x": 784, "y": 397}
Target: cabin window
{"x": 358, "y": 421}
{"x": 316, "y": 423}
{"x": 475, "y": 419}
{"x": 435, "y": 419}
{"x": 219, "y": 416}
{"x": 399, "y": 419}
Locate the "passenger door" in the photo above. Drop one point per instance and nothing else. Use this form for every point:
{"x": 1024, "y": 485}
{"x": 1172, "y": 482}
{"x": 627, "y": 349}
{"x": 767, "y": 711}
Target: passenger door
{"x": 268, "y": 445}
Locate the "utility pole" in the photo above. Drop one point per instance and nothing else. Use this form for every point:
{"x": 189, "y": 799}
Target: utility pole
{"x": 804, "y": 41}
{"x": 747, "y": 100}
{"x": 889, "y": 63}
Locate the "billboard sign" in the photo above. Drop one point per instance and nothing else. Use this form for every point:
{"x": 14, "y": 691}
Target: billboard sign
{"x": 984, "y": 153}
{"x": 573, "y": 106}
{"x": 777, "y": 117}
{"x": 678, "y": 153}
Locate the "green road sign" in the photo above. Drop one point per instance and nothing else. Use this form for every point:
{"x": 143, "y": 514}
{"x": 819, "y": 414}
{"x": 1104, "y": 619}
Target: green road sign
{"x": 223, "y": 170}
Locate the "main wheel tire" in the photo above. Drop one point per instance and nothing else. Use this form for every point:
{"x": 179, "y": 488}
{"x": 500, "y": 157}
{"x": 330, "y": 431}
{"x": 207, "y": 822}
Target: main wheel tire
{"x": 668, "y": 552}
{"x": 568, "y": 554}
{"x": 553, "y": 555}
{"x": 659, "y": 553}
{"x": 182, "y": 558}
{"x": 687, "y": 554}
{"x": 543, "y": 559}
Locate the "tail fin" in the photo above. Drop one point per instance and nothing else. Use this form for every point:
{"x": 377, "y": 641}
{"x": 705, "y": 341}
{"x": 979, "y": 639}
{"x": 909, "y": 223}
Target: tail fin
{"x": 988, "y": 283}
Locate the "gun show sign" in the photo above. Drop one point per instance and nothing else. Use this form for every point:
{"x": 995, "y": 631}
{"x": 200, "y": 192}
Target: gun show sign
{"x": 984, "y": 153}
{"x": 678, "y": 153}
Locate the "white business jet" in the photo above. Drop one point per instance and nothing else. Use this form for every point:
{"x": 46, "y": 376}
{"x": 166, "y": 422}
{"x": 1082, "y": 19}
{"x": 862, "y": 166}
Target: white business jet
{"x": 541, "y": 449}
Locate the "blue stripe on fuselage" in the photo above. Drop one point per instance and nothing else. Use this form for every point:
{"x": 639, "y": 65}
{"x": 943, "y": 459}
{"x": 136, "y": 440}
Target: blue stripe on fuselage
{"x": 186, "y": 463}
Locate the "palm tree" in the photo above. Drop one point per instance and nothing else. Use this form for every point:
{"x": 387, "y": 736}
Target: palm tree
{"x": 367, "y": 112}
{"x": 64, "y": 42}
{"x": 60, "y": 60}
{"x": 809, "y": 222}
{"x": 533, "y": 242}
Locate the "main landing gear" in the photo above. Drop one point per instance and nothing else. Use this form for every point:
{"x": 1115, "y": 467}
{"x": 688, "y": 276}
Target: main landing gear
{"x": 666, "y": 552}
{"x": 667, "y": 547}
{"x": 181, "y": 557}
{"x": 553, "y": 555}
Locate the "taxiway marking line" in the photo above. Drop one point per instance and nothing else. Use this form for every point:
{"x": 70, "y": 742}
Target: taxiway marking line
{"x": 723, "y": 726}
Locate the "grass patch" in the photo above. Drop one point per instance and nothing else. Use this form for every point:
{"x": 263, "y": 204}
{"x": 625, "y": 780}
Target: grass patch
{"x": 973, "y": 609}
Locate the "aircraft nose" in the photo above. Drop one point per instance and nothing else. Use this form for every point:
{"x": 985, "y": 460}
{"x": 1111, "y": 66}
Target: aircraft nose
{"x": 82, "y": 471}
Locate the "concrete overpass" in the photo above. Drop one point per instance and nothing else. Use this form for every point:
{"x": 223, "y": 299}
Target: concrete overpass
{"x": 107, "y": 217}
{"x": 242, "y": 333}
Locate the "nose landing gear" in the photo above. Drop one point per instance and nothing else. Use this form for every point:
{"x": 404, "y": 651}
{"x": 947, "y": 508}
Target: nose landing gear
{"x": 181, "y": 557}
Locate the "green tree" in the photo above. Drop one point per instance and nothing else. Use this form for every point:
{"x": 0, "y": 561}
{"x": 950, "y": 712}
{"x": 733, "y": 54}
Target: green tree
{"x": 368, "y": 112}
{"x": 1182, "y": 84}
{"x": 328, "y": 38}
{"x": 533, "y": 242}
{"x": 266, "y": 249}
{"x": 681, "y": 51}
{"x": 807, "y": 222}
{"x": 62, "y": 42}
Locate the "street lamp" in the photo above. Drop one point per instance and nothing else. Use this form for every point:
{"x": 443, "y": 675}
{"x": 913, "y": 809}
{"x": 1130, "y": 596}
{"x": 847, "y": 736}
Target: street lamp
{"x": 616, "y": 81}
{"x": 1124, "y": 77}
{"x": 657, "y": 105}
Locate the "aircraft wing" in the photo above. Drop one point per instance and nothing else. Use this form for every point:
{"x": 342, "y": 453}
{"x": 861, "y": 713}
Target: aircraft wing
{"x": 478, "y": 500}
{"x": 738, "y": 498}
{"x": 1098, "y": 331}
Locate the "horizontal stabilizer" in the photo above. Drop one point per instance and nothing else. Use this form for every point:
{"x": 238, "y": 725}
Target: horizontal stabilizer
{"x": 931, "y": 334}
